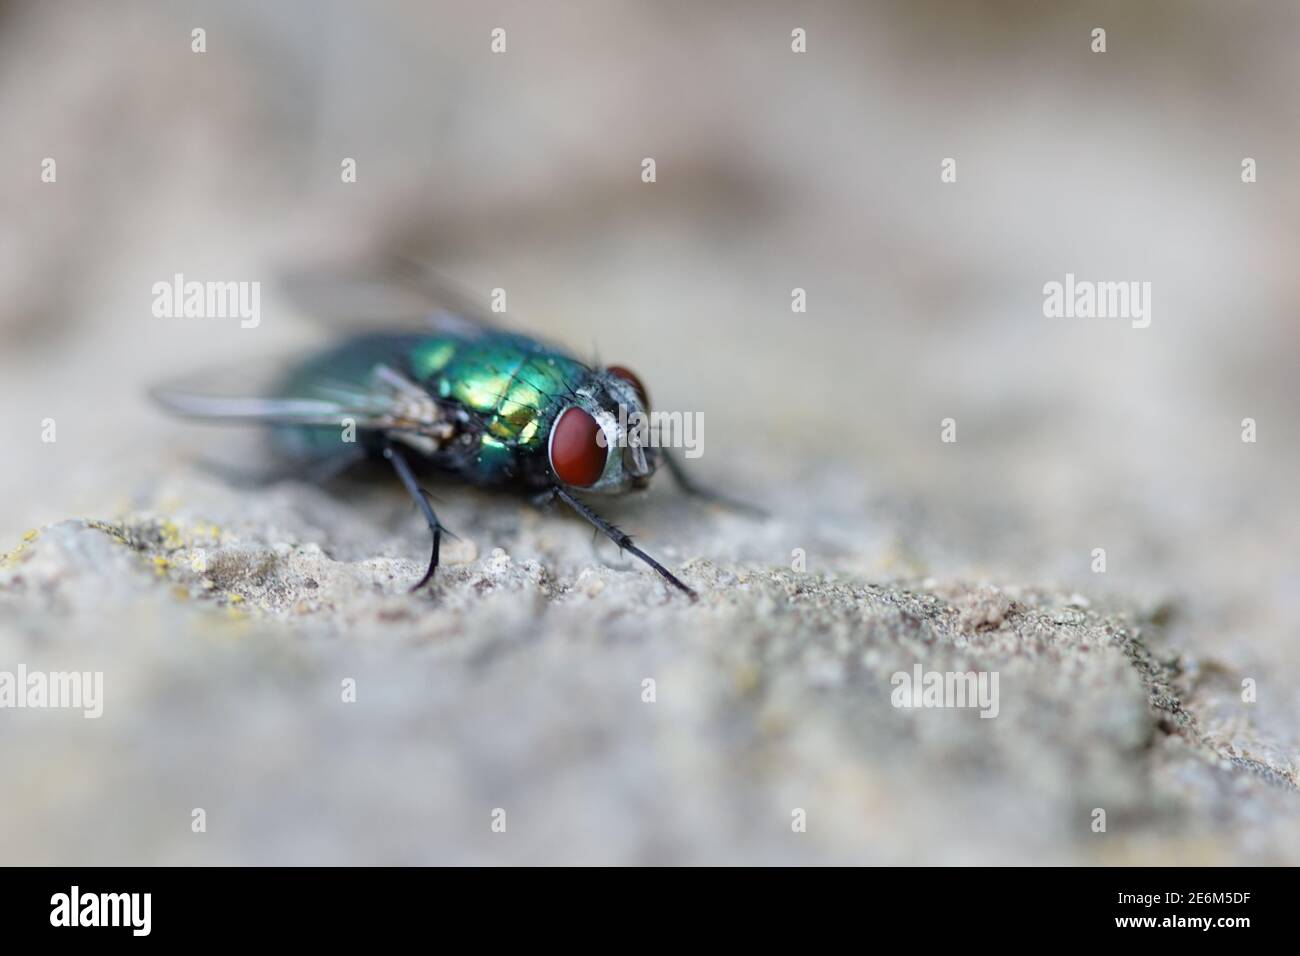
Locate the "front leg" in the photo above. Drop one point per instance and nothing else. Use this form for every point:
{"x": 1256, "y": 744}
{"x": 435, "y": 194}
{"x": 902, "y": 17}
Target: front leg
{"x": 619, "y": 537}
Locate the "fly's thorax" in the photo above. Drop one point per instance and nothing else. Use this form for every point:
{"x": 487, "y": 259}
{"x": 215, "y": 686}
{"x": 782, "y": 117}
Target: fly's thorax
{"x": 506, "y": 391}
{"x": 512, "y": 385}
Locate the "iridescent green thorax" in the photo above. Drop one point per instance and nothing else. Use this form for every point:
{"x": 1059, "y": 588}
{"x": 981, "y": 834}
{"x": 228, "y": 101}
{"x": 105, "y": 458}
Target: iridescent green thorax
{"x": 516, "y": 384}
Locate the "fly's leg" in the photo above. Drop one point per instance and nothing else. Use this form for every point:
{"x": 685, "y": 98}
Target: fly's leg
{"x": 421, "y": 499}
{"x": 620, "y": 538}
{"x": 546, "y": 498}
{"x": 689, "y": 486}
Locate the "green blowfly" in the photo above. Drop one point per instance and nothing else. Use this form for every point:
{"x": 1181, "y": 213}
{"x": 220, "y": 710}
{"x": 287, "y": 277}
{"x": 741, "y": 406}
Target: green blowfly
{"x": 455, "y": 395}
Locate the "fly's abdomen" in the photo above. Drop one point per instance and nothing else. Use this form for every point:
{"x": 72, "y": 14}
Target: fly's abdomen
{"x": 344, "y": 373}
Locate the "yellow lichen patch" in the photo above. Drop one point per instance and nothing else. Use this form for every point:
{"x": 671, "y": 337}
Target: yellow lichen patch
{"x": 176, "y": 537}
{"x": 171, "y": 536}
{"x": 206, "y": 530}
{"x": 10, "y": 557}
{"x": 116, "y": 532}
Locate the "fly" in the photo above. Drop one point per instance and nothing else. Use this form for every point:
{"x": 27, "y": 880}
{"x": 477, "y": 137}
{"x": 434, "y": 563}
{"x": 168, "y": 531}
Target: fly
{"x": 464, "y": 398}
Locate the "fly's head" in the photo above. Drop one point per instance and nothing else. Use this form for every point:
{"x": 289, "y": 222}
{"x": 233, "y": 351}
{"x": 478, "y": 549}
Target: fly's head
{"x": 599, "y": 441}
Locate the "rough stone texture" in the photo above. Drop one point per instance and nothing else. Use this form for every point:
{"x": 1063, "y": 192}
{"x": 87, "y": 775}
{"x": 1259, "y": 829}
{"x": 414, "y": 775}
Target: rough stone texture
{"x": 516, "y": 682}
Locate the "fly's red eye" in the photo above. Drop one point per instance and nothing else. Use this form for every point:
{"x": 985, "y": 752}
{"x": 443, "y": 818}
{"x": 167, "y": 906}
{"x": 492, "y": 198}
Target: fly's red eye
{"x": 577, "y": 457}
{"x": 627, "y": 375}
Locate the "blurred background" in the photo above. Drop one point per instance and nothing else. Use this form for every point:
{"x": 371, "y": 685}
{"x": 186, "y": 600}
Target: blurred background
{"x": 775, "y": 170}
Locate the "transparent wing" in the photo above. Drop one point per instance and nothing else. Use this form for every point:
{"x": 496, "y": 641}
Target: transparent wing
{"x": 388, "y": 401}
{"x": 397, "y": 293}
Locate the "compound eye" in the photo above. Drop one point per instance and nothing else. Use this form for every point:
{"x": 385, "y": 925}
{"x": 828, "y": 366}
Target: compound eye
{"x": 577, "y": 456}
{"x": 627, "y": 375}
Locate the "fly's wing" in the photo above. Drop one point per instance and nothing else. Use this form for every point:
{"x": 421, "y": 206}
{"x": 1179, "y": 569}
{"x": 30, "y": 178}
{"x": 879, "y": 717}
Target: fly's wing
{"x": 398, "y": 293}
{"x": 387, "y": 401}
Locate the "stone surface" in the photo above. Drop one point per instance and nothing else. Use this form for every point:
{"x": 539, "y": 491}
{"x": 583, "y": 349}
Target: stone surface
{"x": 225, "y": 633}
